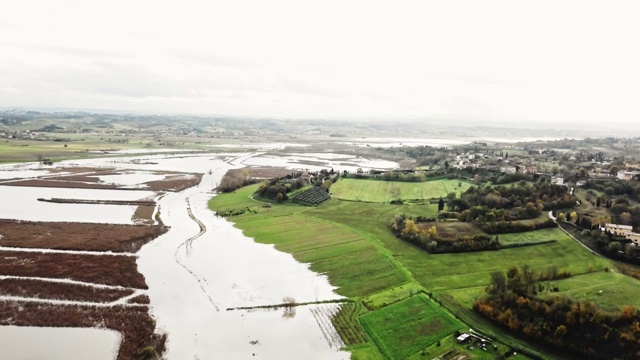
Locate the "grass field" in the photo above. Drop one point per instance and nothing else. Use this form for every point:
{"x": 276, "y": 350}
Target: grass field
{"x": 531, "y": 236}
{"x": 345, "y": 324}
{"x": 390, "y": 296}
{"x": 350, "y": 241}
{"x": 380, "y": 191}
{"x": 406, "y": 327}
{"x": 76, "y": 146}
{"x": 609, "y": 290}
{"x": 452, "y": 271}
{"x": 459, "y": 270}
{"x": 351, "y": 262}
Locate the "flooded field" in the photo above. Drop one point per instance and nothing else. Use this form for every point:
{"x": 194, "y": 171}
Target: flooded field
{"x": 21, "y": 203}
{"x": 201, "y": 266}
{"x": 58, "y": 343}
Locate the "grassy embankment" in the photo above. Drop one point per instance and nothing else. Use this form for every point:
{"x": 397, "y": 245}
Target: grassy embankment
{"x": 351, "y": 243}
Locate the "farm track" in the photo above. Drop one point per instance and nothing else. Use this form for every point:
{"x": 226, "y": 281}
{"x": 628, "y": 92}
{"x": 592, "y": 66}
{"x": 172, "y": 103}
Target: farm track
{"x": 187, "y": 244}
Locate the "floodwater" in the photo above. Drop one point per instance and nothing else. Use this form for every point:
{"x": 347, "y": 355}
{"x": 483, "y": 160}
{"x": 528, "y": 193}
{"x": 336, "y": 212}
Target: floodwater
{"x": 328, "y": 160}
{"x": 191, "y": 284}
{"x": 21, "y": 203}
{"x": 193, "y": 279}
{"x": 130, "y": 178}
{"x": 31, "y": 343}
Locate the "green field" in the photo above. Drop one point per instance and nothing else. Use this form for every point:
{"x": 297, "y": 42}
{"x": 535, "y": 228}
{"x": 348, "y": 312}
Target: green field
{"x": 405, "y": 328}
{"x": 75, "y": 146}
{"x": 390, "y": 296}
{"x": 531, "y": 236}
{"x": 609, "y": 290}
{"x": 351, "y": 262}
{"x": 380, "y": 191}
{"x": 345, "y": 324}
{"x": 350, "y": 241}
{"x": 458, "y": 270}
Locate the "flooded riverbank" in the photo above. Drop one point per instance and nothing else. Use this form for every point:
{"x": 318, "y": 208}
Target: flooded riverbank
{"x": 204, "y": 265}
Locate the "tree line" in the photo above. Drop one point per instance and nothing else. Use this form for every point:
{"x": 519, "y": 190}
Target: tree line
{"x": 580, "y": 328}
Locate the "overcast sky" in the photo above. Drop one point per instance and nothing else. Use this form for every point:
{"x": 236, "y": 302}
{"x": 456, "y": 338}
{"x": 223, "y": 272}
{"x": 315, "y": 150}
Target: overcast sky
{"x": 534, "y": 61}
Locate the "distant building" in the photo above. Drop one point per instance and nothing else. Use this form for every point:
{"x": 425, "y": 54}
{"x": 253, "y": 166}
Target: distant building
{"x": 508, "y": 169}
{"x": 557, "y": 180}
{"x": 463, "y": 338}
{"x": 623, "y": 230}
{"x": 628, "y": 175}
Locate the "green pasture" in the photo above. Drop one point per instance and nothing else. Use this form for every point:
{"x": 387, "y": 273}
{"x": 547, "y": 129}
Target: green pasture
{"x": 14, "y": 150}
{"x": 380, "y": 191}
{"x": 458, "y": 270}
{"x": 406, "y": 327}
{"x": 452, "y": 271}
{"x": 609, "y": 290}
{"x": 531, "y": 236}
{"x": 351, "y": 262}
{"x": 390, "y": 296}
{"x": 350, "y": 241}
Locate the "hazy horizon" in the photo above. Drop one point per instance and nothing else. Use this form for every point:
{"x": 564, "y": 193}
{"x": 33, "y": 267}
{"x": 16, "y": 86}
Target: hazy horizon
{"x": 498, "y": 62}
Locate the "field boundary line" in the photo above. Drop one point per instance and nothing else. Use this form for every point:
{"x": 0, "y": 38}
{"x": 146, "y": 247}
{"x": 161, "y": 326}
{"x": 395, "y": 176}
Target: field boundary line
{"x": 67, "y": 252}
{"x": 69, "y": 281}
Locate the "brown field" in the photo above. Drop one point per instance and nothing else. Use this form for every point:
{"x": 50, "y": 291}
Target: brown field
{"x": 140, "y": 299}
{"x": 78, "y": 169}
{"x": 175, "y": 182}
{"x": 88, "y": 178}
{"x": 134, "y": 323}
{"x": 59, "y": 184}
{"x": 143, "y": 215}
{"x": 59, "y": 291}
{"x": 452, "y": 230}
{"x": 78, "y": 236}
{"x": 267, "y": 172}
{"x": 108, "y": 270}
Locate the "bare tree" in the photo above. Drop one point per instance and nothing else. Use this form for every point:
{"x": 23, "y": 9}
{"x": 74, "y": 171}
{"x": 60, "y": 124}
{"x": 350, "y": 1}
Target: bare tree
{"x": 395, "y": 192}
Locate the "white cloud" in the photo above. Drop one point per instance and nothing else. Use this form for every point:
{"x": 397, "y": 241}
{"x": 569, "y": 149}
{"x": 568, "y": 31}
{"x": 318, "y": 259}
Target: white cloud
{"x": 540, "y": 61}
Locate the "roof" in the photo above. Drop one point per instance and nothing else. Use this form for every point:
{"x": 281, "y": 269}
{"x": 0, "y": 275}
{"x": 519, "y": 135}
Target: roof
{"x": 621, "y": 227}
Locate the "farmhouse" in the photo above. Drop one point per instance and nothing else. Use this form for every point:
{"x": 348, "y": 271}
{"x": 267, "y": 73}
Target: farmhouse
{"x": 557, "y": 180}
{"x": 623, "y": 230}
{"x": 628, "y": 175}
{"x": 508, "y": 169}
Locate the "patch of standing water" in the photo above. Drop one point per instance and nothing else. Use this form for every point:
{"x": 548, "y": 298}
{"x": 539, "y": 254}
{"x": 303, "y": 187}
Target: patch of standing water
{"x": 191, "y": 285}
{"x": 130, "y": 178}
{"x": 316, "y": 164}
{"x": 21, "y": 203}
{"x": 20, "y": 342}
